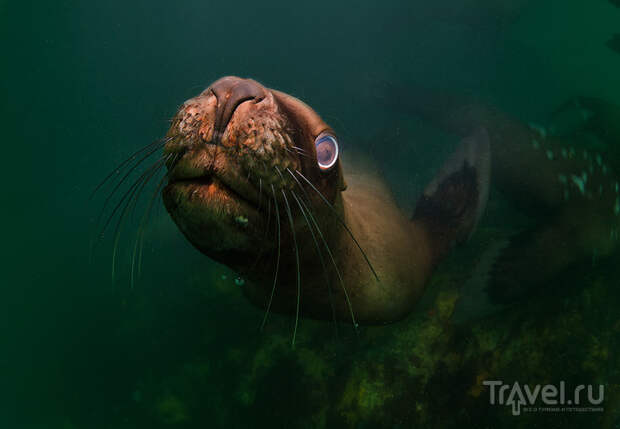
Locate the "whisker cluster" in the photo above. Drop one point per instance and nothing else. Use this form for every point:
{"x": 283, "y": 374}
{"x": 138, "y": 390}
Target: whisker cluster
{"x": 297, "y": 198}
{"x": 128, "y": 200}
{"x": 303, "y": 203}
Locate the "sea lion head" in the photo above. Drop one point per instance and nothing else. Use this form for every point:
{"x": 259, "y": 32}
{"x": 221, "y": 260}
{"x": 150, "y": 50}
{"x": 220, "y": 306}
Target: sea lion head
{"x": 237, "y": 153}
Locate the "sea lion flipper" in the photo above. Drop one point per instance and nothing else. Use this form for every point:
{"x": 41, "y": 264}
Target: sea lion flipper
{"x": 527, "y": 263}
{"x": 454, "y": 201}
{"x": 474, "y": 301}
{"x": 510, "y": 270}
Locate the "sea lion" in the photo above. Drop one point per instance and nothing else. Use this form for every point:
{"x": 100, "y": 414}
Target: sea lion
{"x": 256, "y": 182}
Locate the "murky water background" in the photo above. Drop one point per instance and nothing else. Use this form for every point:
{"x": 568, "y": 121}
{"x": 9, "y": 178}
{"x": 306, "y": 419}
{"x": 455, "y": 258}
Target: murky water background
{"x": 87, "y": 83}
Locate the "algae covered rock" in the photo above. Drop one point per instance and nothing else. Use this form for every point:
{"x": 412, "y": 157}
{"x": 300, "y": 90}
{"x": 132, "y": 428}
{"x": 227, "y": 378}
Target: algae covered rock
{"x": 424, "y": 371}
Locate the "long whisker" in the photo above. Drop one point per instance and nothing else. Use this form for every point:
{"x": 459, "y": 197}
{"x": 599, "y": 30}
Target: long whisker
{"x": 296, "y": 152}
{"x": 262, "y": 246}
{"x": 268, "y": 216}
{"x": 125, "y": 162}
{"x": 154, "y": 198}
{"x": 322, "y": 260}
{"x": 164, "y": 160}
{"x": 96, "y": 240}
{"x": 331, "y": 256}
{"x": 129, "y": 192}
{"x": 342, "y": 222}
{"x": 118, "y": 185}
{"x": 127, "y": 198}
{"x": 275, "y": 277}
{"x": 290, "y": 218}
{"x": 300, "y": 186}
{"x": 141, "y": 227}
{"x": 298, "y": 149}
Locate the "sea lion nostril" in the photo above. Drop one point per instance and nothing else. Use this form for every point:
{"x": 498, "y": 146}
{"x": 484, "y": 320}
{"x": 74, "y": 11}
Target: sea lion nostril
{"x": 230, "y": 93}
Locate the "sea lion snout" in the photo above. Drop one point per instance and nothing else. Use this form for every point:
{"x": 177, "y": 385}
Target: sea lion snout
{"x": 229, "y": 150}
{"x": 230, "y": 92}
{"x": 234, "y": 124}
{"x": 208, "y": 115}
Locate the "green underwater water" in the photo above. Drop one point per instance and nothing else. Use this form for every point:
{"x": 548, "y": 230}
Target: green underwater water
{"x": 85, "y": 84}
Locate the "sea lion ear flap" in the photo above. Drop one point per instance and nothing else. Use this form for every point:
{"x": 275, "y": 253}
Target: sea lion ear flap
{"x": 453, "y": 203}
{"x": 342, "y": 186}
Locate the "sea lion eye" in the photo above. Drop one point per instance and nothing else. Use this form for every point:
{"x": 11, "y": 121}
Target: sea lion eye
{"x": 326, "y": 151}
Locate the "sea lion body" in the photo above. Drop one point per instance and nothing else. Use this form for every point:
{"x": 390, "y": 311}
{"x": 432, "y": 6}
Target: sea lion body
{"x": 256, "y": 183}
{"x": 246, "y": 188}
